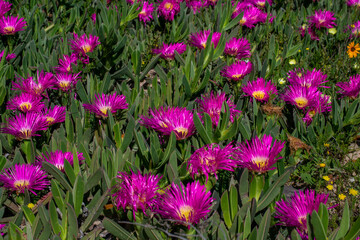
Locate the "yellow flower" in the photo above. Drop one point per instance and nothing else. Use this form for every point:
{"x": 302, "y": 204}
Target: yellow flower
{"x": 326, "y": 178}
{"x": 31, "y": 205}
{"x": 353, "y": 192}
{"x": 281, "y": 81}
{"x": 326, "y": 145}
{"x": 292, "y": 62}
{"x": 342, "y": 196}
{"x": 352, "y": 25}
{"x": 330, "y": 187}
{"x": 299, "y": 50}
{"x": 307, "y": 48}
{"x": 322, "y": 165}
{"x": 353, "y": 49}
{"x": 332, "y": 31}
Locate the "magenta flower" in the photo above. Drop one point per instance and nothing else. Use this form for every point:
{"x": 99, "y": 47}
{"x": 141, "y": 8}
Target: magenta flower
{"x": 2, "y": 226}
{"x": 8, "y": 57}
{"x": 29, "y": 85}
{"x": 26, "y": 102}
{"x": 301, "y": 97}
{"x": 314, "y": 78}
{"x": 24, "y": 176}
{"x": 168, "y": 50}
{"x": 237, "y": 71}
{"x": 104, "y": 103}
{"x": 212, "y": 104}
{"x": 210, "y": 3}
{"x": 170, "y": 119}
{"x": 260, "y": 3}
{"x": 211, "y": 158}
{"x": 355, "y": 31}
{"x": 252, "y": 16}
{"x": 323, "y": 104}
{"x": 54, "y": 115}
{"x": 65, "y": 65}
{"x": 351, "y": 88}
{"x": 10, "y": 25}
{"x": 240, "y": 7}
{"x": 168, "y": 9}
{"x": 25, "y": 126}
{"x": 58, "y": 157}
{"x": 353, "y": 3}
{"x": 195, "y": 5}
{"x": 66, "y": 81}
{"x": 259, "y": 89}
{"x": 186, "y": 205}
{"x": 239, "y": 48}
{"x": 322, "y": 18}
{"x": 199, "y": 39}
{"x": 93, "y": 18}
{"x": 84, "y": 44}
{"x": 312, "y": 33}
{"x": 136, "y": 191}
{"x": 259, "y": 155}
{"x": 146, "y": 12}
{"x": 293, "y": 212}
{"x": 4, "y": 7}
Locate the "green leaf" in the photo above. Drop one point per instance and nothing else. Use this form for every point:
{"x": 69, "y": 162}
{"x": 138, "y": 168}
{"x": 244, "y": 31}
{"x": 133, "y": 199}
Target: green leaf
{"x": 94, "y": 180}
{"x": 150, "y": 66}
{"x": 54, "y": 218}
{"x": 73, "y": 224}
{"x": 247, "y": 224}
{"x": 264, "y": 226}
{"x": 233, "y": 202}
{"x": 354, "y": 231}
{"x": 273, "y": 190}
{"x": 345, "y": 222}
{"x": 295, "y": 235}
{"x": 244, "y": 186}
{"x": 318, "y": 227}
{"x": 153, "y": 234}
{"x": 224, "y": 202}
{"x": 128, "y": 136}
{"x": 28, "y": 214}
{"x": 201, "y": 129}
{"x": 78, "y": 194}
{"x": 168, "y": 151}
{"x": 57, "y": 174}
{"x": 116, "y": 230}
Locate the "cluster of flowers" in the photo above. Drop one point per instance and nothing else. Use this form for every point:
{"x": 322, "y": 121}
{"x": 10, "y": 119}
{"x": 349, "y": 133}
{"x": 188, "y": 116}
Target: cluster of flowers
{"x": 304, "y": 92}
{"x": 168, "y": 9}
{"x": 321, "y": 19}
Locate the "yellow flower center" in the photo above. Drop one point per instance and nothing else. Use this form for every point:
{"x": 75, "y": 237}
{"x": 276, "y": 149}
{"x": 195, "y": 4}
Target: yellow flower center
{"x": 163, "y": 125}
{"x": 312, "y": 113}
{"x": 104, "y": 110}
{"x": 50, "y": 120}
{"x": 242, "y": 21}
{"x": 168, "y": 6}
{"x": 302, "y": 220}
{"x": 237, "y": 76}
{"x": 68, "y": 68}
{"x": 86, "y": 48}
{"x": 25, "y": 106}
{"x": 142, "y": 12}
{"x": 21, "y": 184}
{"x": 64, "y": 84}
{"x": 181, "y": 132}
{"x": 261, "y": 4}
{"x": 9, "y": 30}
{"x": 185, "y": 212}
{"x": 259, "y": 95}
{"x": 261, "y": 162}
{"x": 26, "y": 132}
{"x": 301, "y": 102}
{"x": 204, "y": 45}
{"x": 59, "y": 166}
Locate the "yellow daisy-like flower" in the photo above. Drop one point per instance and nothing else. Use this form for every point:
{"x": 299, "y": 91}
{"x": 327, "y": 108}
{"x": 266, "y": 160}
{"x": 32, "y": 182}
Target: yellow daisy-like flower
{"x": 322, "y": 165}
{"x": 353, "y": 50}
{"x": 342, "y": 196}
{"x": 326, "y": 178}
{"x": 330, "y": 187}
{"x": 353, "y": 192}
{"x": 292, "y": 62}
{"x": 326, "y": 145}
{"x": 31, "y": 205}
{"x": 332, "y": 31}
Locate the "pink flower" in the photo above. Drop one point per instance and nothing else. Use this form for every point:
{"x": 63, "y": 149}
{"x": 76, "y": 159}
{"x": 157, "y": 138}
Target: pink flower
{"x": 252, "y": 16}
{"x": 168, "y": 9}
{"x": 322, "y": 18}
{"x": 187, "y": 205}
{"x": 29, "y": 85}
{"x": 168, "y": 50}
{"x": 54, "y": 115}
{"x": 351, "y": 88}
{"x": 8, "y": 57}
{"x": 136, "y": 191}
{"x": 199, "y": 39}
{"x": 355, "y": 31}
{"x": 83, "y": 45}
{"x": 58, "y": 157}
{"x": 353, "y": 3}
{"x": 104, "y": 103}
{"x": 146, "y": 12}
{"x": 239, "y": 48}
{"x": 259, "y": 89}
{"x": 301, "y": 97}
{"x": 24, "y": 176}
{"x": 195, "y": 5}
{"x": 4, "y": 7}
{"x": 66, "y": 81}
{"x": 314, "y": 78}
{"x": 26, "y": 103}
{"x": 24, "y": 126}
{"x": 93, "y": 18}
{"x": 237, "y": 71}
{"x": 211, "y": 158}
{"x": 65, "y": 65}
{"x": 10, "y": 25}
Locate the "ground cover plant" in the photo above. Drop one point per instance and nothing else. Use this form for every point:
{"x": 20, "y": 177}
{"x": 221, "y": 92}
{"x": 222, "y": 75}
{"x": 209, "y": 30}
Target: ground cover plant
{"x": 176, "y": 119}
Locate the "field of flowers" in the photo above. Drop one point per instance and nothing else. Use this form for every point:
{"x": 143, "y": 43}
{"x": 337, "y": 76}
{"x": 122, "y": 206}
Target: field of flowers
{"x": 180, "y": 119}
